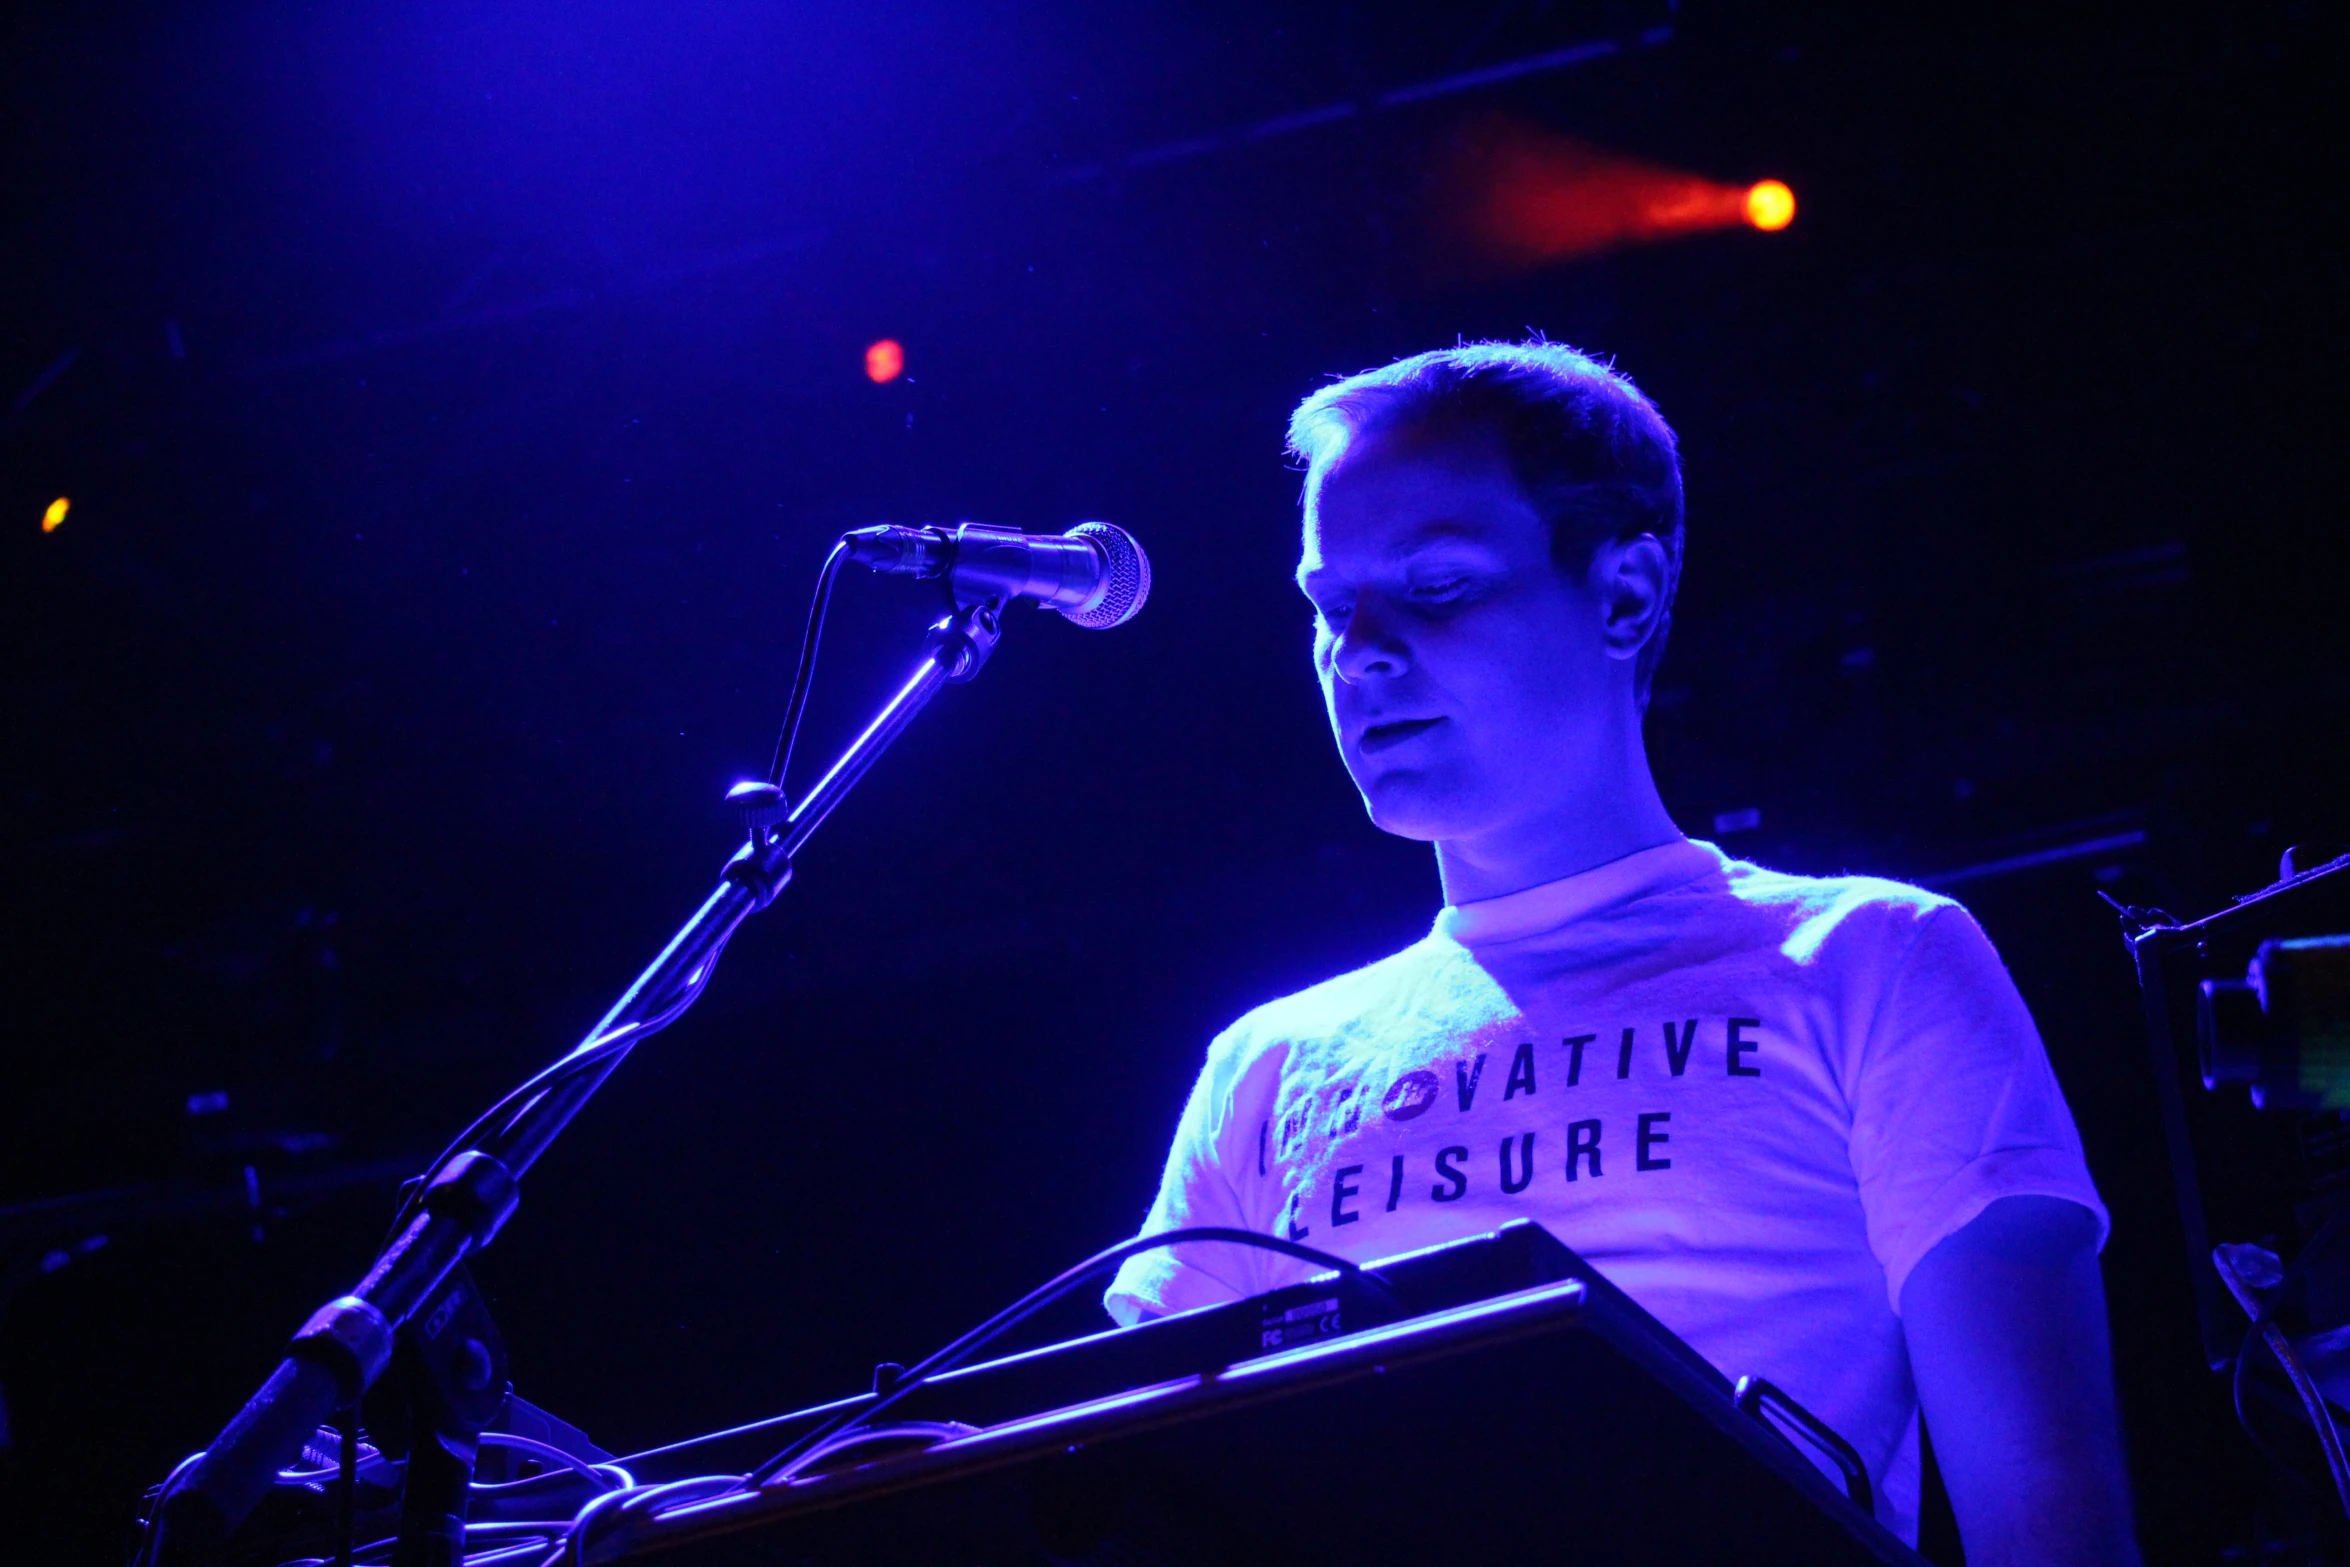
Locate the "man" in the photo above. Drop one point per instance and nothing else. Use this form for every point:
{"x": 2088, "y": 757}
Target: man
{"x": 1807, "y": 1123}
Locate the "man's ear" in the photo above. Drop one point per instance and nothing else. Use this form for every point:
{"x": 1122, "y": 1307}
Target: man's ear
{"x": 1632, "y": 578}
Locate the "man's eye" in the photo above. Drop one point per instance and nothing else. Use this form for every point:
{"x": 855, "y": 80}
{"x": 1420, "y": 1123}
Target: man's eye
{"x": 1438, "y": 591}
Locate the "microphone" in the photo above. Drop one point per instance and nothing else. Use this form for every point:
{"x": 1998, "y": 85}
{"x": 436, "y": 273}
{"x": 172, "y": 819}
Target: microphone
{"x": 1095, "y": 574}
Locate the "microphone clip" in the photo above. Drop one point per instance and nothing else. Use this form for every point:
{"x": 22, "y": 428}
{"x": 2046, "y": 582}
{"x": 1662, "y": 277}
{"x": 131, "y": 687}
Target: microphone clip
{"x": 963, "y": 641}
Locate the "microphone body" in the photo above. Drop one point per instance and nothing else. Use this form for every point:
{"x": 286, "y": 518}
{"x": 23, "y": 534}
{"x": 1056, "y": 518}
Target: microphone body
{"x": 1095, "y": 574}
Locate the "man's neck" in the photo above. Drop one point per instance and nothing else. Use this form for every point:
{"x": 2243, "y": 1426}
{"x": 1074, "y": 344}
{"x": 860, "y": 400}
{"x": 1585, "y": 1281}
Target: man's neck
{"x": 1597, "y": 821}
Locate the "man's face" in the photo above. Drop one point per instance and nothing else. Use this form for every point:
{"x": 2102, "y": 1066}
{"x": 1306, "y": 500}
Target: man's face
{"x": 1465, "y": 674}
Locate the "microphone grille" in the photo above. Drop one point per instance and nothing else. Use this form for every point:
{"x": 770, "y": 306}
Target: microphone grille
{"x": 1128, "y": 584}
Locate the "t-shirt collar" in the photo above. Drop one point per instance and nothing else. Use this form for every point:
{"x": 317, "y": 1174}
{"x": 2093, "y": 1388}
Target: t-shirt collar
{"x": 1554, "y": 903}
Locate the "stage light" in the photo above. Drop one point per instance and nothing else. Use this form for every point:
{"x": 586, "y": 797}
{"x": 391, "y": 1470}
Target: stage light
{"x": 55, "y": 515}
{"x": 885, "y": 360}
{"x": 1769, "y": 205}
{"x": 1522, "y": 195}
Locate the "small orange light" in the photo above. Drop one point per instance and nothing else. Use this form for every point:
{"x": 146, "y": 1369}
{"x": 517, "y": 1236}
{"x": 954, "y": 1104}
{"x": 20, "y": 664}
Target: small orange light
{"x": 55, "y": 515}
{"x": 885, "y": 360}
{"x": 1770, "y": 205}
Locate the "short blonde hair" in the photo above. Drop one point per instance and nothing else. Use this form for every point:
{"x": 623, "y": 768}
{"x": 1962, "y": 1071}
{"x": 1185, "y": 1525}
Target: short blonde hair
{"x": 1593, "y": 456}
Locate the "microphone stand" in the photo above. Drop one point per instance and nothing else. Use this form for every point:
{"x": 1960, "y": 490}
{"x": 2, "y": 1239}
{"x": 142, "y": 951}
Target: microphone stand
{"x": 415, "y": 1298}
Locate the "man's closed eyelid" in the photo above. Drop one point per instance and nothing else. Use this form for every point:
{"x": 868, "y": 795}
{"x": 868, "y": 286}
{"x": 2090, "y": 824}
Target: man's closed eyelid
{"x": 1448, "y": 591}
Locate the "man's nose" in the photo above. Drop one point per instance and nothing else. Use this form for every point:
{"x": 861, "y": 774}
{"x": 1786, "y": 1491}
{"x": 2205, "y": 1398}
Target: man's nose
{"x": 1370, "y": 645}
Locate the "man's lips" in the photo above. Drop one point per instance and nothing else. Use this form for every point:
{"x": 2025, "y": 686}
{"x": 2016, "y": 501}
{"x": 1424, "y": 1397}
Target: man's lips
{"x": 1394, "y": 732}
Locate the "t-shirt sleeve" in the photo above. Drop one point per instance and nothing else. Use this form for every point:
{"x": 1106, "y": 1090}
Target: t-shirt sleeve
{"x": 1196, "y": 1188}
{"x": 1955, "y": 1105}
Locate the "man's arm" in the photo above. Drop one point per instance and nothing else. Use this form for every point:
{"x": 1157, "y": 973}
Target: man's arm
{"x": 2007, "y": 1340}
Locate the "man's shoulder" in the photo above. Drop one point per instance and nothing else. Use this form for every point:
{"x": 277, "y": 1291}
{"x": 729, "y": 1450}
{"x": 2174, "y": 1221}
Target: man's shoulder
{"x": 1811, "y": 916}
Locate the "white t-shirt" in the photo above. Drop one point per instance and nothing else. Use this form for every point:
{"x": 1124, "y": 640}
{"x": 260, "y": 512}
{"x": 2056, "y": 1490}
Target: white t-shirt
{"x": 1753, "y": 1101}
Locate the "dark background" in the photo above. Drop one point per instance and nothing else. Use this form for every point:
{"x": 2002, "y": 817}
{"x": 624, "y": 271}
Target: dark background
{"x": 456, "y": 399}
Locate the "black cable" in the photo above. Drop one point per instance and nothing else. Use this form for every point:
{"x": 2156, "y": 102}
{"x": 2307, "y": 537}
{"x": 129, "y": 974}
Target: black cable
{"x": 615, "y": 1506}
{"x": 805, "y": 676}
{"x": 547, "y": 1079}
{"x": 553, "y": 1076}
{"x": 596, "y": 1052}
{"x": 2262, "y": 1321}
{"x": 511, "y": 1108}
{"x": 1036, "y": 1300}
{"x": 2291, "y": 1469}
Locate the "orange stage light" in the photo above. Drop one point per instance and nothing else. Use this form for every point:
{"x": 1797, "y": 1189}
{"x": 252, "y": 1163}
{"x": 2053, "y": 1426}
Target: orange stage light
{"x": 1534, "y": 197}
{"x": 55, "y": 515}
{"x": 885, "y": 360}
{"x": 1769, "y": 205}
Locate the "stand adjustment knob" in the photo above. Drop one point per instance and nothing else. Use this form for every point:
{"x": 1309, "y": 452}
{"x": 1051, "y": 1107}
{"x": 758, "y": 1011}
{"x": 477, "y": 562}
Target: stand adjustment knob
{"x": 762, "y": 805}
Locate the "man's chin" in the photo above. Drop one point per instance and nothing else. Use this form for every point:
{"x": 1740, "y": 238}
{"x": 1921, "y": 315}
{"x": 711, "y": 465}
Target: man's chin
{"x": 1407, "y": 808}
